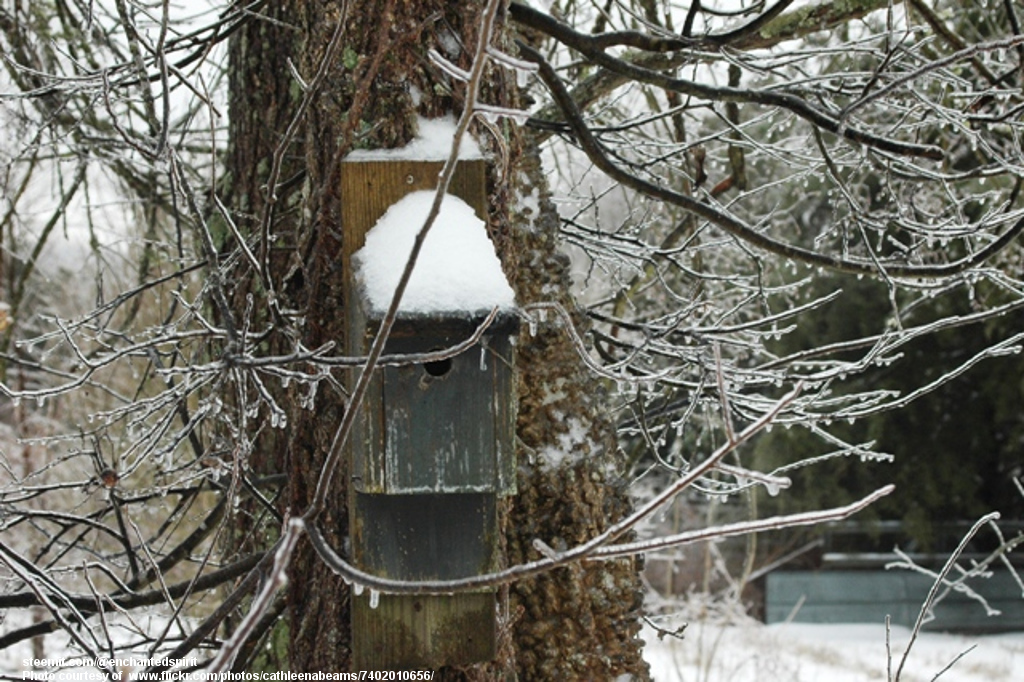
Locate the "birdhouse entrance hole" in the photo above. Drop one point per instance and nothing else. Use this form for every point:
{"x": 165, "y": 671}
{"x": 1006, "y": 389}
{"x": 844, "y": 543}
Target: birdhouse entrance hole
{"x": 438, "y": 368}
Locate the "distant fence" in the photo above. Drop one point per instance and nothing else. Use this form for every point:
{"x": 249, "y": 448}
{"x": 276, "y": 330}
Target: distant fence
{"x": 868, "y": 596}
{"x": 852, "y": 584}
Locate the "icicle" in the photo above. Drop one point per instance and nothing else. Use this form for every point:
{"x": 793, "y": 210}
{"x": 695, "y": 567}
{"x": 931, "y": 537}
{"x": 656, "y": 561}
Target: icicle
{"x": 483, "y": 359}
{"x": 309, "y": 401}
{"x": 374, "y": 598}
{"x": 278, "y": 420}
{"x": 357, "y": 589}
{"x": 492, "y": 113}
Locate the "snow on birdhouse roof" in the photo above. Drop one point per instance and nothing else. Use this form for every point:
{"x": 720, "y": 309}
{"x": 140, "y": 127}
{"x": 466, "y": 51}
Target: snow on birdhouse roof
{"x": 433, "y": 142}
{"x": 457, "y": 269}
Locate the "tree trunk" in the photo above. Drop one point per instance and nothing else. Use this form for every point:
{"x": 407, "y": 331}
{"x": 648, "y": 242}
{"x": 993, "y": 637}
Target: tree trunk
{"x": 577, "y": 623}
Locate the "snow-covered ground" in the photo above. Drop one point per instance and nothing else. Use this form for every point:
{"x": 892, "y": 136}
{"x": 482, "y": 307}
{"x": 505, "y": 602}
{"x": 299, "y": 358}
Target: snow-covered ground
{"x": 738, "y": 649}
{"x": 799, "y": 652}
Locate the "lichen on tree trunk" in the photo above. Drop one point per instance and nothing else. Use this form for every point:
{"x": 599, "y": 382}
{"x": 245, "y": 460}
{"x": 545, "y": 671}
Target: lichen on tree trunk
{"x": 581, "y": 622}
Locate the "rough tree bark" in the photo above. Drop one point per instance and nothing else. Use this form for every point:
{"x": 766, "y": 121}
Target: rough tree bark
{"x": 578, "y": 623}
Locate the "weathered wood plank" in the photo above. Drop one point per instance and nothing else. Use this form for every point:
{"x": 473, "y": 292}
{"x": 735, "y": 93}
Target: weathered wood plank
{"x": 422, "y": 632}
{"x": 446, "y": 428}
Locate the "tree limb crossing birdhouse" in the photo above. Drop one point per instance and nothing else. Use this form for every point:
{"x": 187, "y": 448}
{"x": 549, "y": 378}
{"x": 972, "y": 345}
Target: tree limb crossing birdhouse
{"x": 433, "y": 449}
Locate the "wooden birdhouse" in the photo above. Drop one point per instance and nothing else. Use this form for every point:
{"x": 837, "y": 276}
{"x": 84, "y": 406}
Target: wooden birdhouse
{"x": 433, "y": 448}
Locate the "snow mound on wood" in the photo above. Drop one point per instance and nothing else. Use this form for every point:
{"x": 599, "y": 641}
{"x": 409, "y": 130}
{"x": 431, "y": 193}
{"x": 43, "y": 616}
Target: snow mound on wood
{"x": 457, "y": 269}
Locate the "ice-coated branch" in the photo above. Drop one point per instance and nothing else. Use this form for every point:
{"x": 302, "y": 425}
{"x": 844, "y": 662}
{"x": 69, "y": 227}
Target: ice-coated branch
{"x": 742, "y": 528}
{"x": 274, "y": 582}
{"x": 769, "y": 97}
{"x": 552, "y": 559}
{"x": 613, "y": 371}
{"x": 731, "y": 223}
{"x": 926, "y": 608}
{"x": 449, "y": 68}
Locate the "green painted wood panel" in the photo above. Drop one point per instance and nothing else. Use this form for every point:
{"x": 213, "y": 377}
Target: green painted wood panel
{"x": 440, "y": 429}
{"x": 443, "y": 428}
{"x": 426, "y": 537}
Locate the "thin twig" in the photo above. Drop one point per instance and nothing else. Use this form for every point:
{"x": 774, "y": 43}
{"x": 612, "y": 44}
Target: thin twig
{"x": 930, "y": 599}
